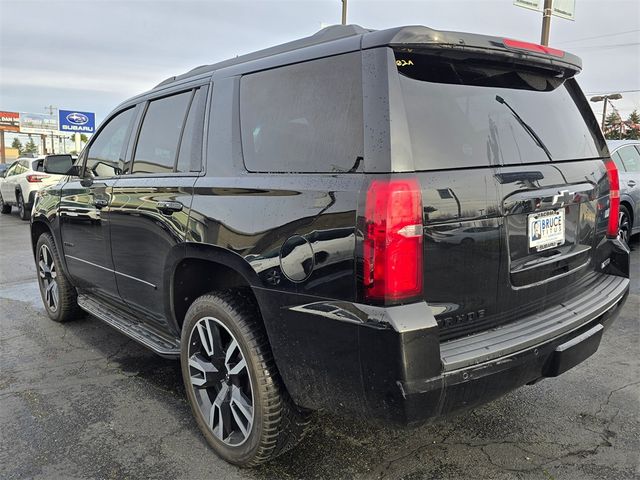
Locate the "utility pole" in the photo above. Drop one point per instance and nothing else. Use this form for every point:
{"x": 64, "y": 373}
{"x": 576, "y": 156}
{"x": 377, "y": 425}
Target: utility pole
{"x": 344, "y": 12}
{"x": 51, "y": 109}
{"x": 3, "y": 158}
{"x": 546, "y": 22}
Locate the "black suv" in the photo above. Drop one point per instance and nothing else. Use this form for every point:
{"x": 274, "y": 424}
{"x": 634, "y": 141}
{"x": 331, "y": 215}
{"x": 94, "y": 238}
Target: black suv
{"x": 395, "y": 224}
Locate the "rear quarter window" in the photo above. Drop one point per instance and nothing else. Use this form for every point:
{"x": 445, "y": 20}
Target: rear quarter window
{"x": 305, "y": 117}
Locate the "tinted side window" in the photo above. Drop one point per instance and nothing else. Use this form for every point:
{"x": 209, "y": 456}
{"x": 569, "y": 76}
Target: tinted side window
{"x": 630, "y": 158}
{"x": 104, "y": 158}
{"x": 157, "y": 145}
{"x": 303, "y": 118}
{"x": 190, "y": 155}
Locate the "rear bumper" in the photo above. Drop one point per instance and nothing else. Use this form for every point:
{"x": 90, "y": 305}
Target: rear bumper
{"x": 479, "y": 383}
{"x": 389, "y": 363}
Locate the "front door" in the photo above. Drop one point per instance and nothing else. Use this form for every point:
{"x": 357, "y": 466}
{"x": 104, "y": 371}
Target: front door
{"x": 150, "y": 203}
{"x": 85, "y": 208}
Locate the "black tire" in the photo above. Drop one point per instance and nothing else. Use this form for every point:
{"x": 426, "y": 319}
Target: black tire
{"x": 23, "y": 211}
{"x": 4, "y": 208}
{"x": 625, "y": 225}
{"x": 276, "y": 424}
{"x": 65, "y": 306}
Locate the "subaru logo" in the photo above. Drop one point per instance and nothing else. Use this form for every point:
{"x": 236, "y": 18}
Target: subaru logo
{"x": 77, "y": 118}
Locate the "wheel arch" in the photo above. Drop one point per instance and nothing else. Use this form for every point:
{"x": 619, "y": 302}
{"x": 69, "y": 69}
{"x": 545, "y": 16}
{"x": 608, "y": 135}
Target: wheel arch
{"x": 196, "y": 269}
{"x": 628, "y": 203}
{"x": 38, "y": 227}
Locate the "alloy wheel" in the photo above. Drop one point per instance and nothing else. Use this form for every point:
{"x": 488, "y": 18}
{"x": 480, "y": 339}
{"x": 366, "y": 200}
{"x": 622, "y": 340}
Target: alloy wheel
{"x": 220, "y": 381}
{"x": 20, "y": 205}
{"x": 623, "y": 227}
{"x": 48, "y": 278}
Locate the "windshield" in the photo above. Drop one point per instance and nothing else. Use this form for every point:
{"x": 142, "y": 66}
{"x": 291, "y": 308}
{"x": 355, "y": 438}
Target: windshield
{"x": 468, "y": 114}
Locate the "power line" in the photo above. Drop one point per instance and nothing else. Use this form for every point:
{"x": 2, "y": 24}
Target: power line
{"x": 595, "y": 47}
{"x": 599, "y": 36}
{"x": 612, "y": 90}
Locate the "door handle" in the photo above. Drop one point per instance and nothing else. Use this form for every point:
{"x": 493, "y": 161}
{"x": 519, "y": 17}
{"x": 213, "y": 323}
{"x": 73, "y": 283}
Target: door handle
{"x": 631, "y": 183}
{"x": 100, "y": 203}
{"x": 169, "y": 207}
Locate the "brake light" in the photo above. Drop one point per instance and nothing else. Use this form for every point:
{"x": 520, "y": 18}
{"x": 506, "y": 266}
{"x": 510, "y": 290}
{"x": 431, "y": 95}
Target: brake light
{"x": 532, "y": 47}
{"x": 614, "y": 198}
{"x": 393, "y": 240}
{"x": 36, "y": 178}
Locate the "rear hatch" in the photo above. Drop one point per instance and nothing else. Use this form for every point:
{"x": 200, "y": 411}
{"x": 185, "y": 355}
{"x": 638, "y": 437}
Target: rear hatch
{"x": 510, "y": 160}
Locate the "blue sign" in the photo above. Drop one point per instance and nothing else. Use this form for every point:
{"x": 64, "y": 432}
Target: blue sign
{"x": 72, "y": 121}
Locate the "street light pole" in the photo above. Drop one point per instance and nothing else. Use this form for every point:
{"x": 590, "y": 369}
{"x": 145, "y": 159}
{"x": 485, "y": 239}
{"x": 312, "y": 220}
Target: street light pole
{"x": 546, "y": 22}
{"x": 604, "y": 111}
{"x": 605, "y": 99}
{"x": 344, "y": 12}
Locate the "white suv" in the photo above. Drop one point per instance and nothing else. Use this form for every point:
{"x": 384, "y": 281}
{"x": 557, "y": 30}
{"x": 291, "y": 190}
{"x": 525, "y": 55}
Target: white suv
{"x": 20, "y": 182}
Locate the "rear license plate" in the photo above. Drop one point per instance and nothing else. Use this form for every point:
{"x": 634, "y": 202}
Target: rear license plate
{"x": 546, "y": 230}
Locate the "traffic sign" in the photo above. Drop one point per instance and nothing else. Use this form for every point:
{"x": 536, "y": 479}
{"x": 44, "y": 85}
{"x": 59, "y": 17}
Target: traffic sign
{"x": 73, "y": 121}
{"x": 559, "y": 8}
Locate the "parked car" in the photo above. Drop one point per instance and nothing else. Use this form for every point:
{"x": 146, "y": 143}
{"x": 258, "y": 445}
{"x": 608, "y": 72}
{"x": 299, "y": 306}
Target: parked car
{"x": 276, "y": 233}
{"x": 3, "y": 168}
{"x": 22, "y": 180}
{"x": 626, "y": 155}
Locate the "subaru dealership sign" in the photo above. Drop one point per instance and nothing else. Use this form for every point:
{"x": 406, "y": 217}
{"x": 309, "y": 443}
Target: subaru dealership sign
{"x": 72, "y": 121}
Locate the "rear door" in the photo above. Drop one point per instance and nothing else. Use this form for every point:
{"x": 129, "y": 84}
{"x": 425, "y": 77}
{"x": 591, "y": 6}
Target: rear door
{"x": 151, "y": 201}
{"x": 516, "y": 154}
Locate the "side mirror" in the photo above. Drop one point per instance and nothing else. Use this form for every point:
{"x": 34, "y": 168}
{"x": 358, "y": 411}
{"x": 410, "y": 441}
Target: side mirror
{"x": 74, "y": 171}
{"x": 57, "y": 164}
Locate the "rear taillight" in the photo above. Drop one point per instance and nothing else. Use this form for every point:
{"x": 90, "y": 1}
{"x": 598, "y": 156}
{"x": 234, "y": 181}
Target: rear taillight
{"x": 532, "y": 47}
{"x": 393, "y": 240}
{"x": 36, "y": 178}
{"x": 614, "y": 198}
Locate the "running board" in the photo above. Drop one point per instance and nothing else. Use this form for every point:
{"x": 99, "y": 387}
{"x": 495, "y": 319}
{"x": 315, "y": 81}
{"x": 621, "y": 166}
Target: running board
{"x": 129, "y": 325}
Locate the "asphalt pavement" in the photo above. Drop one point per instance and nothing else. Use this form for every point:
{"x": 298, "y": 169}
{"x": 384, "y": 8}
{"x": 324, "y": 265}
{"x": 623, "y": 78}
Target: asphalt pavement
{"x": 80, "y": 400}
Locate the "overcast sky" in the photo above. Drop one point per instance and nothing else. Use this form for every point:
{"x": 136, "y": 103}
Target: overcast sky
{"x": 92, "y": 54}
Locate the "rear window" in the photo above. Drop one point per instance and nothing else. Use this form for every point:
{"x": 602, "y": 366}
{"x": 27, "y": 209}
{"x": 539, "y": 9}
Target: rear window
{"x": 471, "y": 113}
{"x": 303, "y": 118}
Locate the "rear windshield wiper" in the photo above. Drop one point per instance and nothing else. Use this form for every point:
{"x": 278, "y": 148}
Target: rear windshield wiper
{"x": 526, "y": 126}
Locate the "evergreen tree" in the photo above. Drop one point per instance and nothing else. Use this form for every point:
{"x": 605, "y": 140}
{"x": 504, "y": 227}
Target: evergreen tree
{"x": 17, "y": 144}
{"x": 633, "y": 122}
{"x": 30, "y": 147}
{"x": 612, "y": 126}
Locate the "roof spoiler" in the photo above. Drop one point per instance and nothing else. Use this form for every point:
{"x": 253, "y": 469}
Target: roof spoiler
{"x": 496, "y": 48}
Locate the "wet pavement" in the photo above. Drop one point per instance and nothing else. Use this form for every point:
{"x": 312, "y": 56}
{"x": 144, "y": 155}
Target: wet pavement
{"x": 80, "y": 400}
